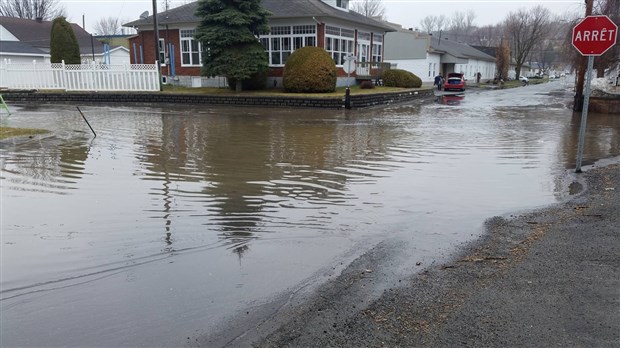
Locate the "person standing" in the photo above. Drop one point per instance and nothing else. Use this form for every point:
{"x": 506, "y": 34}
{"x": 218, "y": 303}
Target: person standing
{"x": 438, "y": 81}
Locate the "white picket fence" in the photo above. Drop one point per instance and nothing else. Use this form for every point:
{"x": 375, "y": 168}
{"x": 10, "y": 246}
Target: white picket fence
{"x": 80, "y": 77}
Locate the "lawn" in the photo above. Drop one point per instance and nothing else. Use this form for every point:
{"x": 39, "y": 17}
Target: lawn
{"x": 9, "y": 132}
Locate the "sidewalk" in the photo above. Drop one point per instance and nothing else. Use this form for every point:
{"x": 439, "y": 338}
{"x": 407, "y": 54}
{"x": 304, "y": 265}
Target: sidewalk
{"x": 550, "y": 277}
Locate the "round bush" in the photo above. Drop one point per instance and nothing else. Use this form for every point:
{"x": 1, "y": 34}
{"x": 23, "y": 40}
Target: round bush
{"x": 367, "y": 85}
{"x": 401, "y": 78}
{"x": 309, "y": 70}
{"x": 257, "y": 82}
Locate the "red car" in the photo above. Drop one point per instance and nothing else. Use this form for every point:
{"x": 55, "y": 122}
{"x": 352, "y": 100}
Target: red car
{"x": 454, "y": 81}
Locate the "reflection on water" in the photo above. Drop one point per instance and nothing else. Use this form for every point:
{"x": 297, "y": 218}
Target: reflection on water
{"x": 451, "y": 99}
{"x": 275, "y": 186}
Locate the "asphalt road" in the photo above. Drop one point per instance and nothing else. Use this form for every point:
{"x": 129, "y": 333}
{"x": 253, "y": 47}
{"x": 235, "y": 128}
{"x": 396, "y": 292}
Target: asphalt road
{"x": 544, "y": 278}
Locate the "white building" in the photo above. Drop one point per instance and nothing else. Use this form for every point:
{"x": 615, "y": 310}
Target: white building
{"x": 427, "y": 56}
{"x": 27, "y": 41}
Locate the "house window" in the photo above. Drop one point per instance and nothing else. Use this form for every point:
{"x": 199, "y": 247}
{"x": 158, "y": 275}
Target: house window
{"x": 430, "y": 65}
{"x": 283, "y": 40}
{"x": 339, "y": 43}
{"x": 191, "y": 49}
{"x": 363, "y": 46}
{"x": 377, "y": 48}
{"x": 342, "y": 4}
{"x": 162, "y": 52}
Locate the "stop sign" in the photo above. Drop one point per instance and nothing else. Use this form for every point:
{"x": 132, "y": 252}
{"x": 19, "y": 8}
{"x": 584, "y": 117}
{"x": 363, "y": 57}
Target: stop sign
{"x": 594, "y": 35}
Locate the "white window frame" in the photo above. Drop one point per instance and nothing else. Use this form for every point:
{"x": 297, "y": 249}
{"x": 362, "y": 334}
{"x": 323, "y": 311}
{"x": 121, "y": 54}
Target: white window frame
{"x": 189, "y": 51}
{"x": 377, "y": 48}
{"x": 283, "y": 40}
{"x": 363, "y": 46}
{"x": 339, "y": 43}
{"x": 162, "y": 51}
{"x": 342, "y": 4}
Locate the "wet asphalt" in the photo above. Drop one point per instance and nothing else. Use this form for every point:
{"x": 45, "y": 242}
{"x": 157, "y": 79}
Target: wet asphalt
{"x": 543, "y": 278}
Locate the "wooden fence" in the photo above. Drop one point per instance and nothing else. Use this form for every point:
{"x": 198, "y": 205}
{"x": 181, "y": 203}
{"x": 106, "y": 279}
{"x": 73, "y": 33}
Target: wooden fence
{"x": 80, "y": 77}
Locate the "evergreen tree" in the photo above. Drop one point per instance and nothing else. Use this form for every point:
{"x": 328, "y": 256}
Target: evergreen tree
{"x": 228, "y": 33}
{"x": 63, "y": 44}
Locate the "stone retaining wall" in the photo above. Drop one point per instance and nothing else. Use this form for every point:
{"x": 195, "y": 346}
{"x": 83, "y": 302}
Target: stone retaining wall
{"x": 357, "y": 101}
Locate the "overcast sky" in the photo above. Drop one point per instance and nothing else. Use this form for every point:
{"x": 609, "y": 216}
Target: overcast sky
{"x": 405, "y": 12}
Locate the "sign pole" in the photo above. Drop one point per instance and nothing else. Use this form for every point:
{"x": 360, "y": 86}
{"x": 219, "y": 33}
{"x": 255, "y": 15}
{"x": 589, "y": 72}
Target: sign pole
{"x": 584, "y": 114}
{"x": 348, "y": 67}
{"x": 593, "y": 36}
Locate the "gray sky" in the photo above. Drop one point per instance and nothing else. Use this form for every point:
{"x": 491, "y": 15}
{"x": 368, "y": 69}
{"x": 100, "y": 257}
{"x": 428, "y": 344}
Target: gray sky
{"x": 408, "y": 13}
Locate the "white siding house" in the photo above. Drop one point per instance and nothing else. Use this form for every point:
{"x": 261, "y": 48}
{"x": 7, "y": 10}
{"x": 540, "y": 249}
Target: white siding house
{"x": 426, "y": 56}
{"x": 26, "y": 40}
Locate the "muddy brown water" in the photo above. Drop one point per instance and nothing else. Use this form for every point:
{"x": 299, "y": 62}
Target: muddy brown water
{"x": 176, "y": 217}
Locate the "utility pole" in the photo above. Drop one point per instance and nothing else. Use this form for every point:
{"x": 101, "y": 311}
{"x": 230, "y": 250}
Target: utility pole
{"x": 581, "y": 72}
{"x": 156, "y": 35}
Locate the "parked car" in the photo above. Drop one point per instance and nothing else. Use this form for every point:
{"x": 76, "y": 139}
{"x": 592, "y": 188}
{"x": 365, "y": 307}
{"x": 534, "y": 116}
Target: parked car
{"x": 455, "y": 81}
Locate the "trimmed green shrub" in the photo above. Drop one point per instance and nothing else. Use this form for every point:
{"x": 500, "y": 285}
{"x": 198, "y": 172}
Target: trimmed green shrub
{"x": 256, "y": 82}
{"x": 401, "y": 78}
{"x": 309, "y": 70}
{"x": 63, "y": 44}
{"x": 366, "y": 84}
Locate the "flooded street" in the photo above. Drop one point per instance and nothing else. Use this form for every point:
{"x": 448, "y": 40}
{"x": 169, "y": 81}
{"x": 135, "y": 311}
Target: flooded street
{"x": 174, "y": 219}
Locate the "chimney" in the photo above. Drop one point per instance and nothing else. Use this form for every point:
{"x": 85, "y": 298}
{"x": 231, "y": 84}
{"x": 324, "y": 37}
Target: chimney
{"x": 39, "y": 19}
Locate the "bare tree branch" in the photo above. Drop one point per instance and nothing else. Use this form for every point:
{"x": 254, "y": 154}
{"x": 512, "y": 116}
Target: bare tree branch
{"x": 369, "y": 8}
{"x": 525, "y": 29}
{"x": 108, "y": 26}
{"x": 32, "y": 9}
{"x": 429, "y": 24}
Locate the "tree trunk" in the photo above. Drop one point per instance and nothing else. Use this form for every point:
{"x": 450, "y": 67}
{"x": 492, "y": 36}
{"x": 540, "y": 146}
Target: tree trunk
{"x": 238, "y": 86}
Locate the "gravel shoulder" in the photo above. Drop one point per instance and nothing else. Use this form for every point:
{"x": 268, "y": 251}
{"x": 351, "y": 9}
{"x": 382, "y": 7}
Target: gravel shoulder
{"x": 549, "y": 277}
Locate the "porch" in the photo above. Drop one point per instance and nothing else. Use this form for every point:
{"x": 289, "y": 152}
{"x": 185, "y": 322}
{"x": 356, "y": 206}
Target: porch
{"x": 372, "y": 71}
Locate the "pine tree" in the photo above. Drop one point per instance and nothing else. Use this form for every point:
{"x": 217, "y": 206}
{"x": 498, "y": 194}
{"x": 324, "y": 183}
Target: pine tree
{"x": 63, "y": 44}
{"x": 228, "y": 33}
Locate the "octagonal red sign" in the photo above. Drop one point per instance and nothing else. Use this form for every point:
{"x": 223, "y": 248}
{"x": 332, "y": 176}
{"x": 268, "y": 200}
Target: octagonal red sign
{"x": 594, "y": 35}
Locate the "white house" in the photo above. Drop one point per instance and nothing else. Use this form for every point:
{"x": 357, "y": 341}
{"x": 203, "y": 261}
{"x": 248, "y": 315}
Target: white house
{"x": 427, "y": 56}
{"x": 26, "y": 40}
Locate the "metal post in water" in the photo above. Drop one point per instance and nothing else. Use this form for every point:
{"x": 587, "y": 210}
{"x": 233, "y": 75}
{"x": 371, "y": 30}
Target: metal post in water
{"x": 91, "y": 128}
{"x": 584, "y": 114}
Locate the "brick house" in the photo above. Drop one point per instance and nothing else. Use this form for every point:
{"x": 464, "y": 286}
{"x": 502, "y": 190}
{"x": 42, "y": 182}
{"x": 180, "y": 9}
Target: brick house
{"x": 294, "y": 24}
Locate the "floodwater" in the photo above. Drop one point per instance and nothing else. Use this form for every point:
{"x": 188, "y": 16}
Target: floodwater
{"x": 175, "y": 218}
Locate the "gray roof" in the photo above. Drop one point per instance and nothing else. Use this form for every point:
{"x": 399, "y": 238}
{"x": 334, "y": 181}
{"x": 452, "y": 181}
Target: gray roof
{"x": 281, "y": 9}
{"x": 37, "y": 34}
{"x": 492, "y": 51}
{"x": 17, "y": 47}
{"x": 458, "y": 49}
